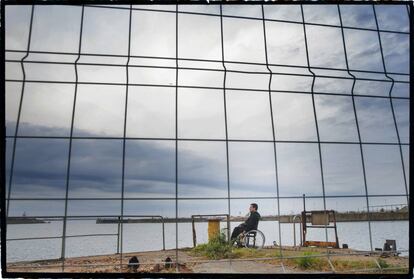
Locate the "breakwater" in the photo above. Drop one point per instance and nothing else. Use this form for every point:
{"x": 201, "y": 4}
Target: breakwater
{"x": 24, "y": 220}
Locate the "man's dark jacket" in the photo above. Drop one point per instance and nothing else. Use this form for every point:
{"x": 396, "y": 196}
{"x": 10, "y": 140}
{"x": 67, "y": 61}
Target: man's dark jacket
{"x": 252, "y": 222}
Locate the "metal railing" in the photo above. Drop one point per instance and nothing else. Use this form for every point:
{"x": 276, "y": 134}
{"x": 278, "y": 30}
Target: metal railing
{"x": 353, "y": 75}
{"x": 113, "y": 219}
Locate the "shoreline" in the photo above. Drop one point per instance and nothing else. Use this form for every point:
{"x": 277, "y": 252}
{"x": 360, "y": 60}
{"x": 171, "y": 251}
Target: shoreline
{"x": 340, "y": 217}
{"x": 248, "y": 260}
{"x": 401, "y": 215}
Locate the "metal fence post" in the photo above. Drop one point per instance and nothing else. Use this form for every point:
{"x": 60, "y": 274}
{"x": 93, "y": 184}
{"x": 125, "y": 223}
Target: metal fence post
{"x": 62, "y": 255}
{"x": 194, "y": 232}
{"x": 163, "y": 233}
{"x": 228, "y": 228}
{"x": 117, "y": 242}
{"x": 294, "y": 229}
{"x": 294, "y": 234}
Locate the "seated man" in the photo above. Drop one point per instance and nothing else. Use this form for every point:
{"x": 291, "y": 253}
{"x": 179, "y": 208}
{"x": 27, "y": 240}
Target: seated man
{"x": 250, "y": 224}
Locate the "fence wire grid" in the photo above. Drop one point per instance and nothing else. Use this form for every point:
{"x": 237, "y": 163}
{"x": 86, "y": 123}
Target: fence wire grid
{"x": 176, "y": 110}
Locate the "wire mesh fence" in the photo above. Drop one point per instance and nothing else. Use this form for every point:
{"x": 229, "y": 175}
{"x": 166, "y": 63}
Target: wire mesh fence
{"x": 181, "y": 110}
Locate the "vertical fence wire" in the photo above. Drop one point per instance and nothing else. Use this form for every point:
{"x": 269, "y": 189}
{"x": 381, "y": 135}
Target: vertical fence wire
{"x": 274, "y": 137}
{"x": 358, "y": 130}
{"x": 70, "y": 141}
{"x": 391, "y": 103}
{"x": 317, "y": 131}
{"x": 177, "y": 268}
{"x": 20, "y": 109}
{"x": 124, "y": 138}
{"x": 224, "y": 88}
{"x": 226, "y": 128}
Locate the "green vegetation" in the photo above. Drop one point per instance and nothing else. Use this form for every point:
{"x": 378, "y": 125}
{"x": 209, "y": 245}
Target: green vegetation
{"x": 296, "y": 253}
{"x": 216, "y": 248}
{"x": 348, "y": 265}
{"x": 304, "y": 259}
{"x": 382, "y": 263}
{"x": 309, "y": 262}
{"x": 243, "y": 253}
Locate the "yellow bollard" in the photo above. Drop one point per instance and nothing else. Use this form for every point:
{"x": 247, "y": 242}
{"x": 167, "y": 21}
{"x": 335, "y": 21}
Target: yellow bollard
{"x": 213, "y": 228}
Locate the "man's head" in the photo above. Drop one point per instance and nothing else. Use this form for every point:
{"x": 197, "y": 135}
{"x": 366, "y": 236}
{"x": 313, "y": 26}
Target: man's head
{"x": 253, "y": 207}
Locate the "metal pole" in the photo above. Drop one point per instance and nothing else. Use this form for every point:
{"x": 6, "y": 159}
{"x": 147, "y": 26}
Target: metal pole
{"x": 121, "y": 240}
{"x": 304, "y": 207}
{"x": 117, "y": 243}
{"x": 336, "y": 232}
{"x": 194, "y": 232}
{"x": 228, "y": 228}
{"x": 163, "y": 234}
{"x": 294, "y": 229}
{"x": 294, "y": 234}
{"x": 304, "y": 222}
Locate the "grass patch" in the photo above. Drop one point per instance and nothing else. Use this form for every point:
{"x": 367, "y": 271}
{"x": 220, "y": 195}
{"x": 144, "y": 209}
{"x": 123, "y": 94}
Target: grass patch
{"x": 309, "y": 262}
{"x": 348, "y": 265}
{"x": 216, "y": 248}
{"x": 304, "y": 259}
{"x": 251, "y": 253}
{"x": 382, "y": 263}
{"x": 279, "y": 254}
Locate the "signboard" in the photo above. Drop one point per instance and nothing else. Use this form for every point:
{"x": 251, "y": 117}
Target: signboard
{"x": 320, "y": 218}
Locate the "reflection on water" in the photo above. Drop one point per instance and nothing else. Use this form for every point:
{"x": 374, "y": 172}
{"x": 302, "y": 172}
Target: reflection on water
{"x": 147, "y": 237}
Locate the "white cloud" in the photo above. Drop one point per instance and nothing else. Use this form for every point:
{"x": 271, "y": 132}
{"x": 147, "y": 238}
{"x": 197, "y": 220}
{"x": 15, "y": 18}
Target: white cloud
{"x": 151, "y": 111}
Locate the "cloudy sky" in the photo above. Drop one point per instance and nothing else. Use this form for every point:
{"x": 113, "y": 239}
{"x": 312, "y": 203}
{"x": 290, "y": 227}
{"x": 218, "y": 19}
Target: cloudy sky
{"x": 40, "y": 166}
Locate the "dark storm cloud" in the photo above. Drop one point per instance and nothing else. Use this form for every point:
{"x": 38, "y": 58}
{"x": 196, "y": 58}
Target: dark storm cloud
{"x": 41, "y": 165}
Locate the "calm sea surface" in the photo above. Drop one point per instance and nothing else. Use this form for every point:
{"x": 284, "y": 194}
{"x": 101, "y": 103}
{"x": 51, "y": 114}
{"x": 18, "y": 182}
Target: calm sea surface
{"x": 147, "y": 237}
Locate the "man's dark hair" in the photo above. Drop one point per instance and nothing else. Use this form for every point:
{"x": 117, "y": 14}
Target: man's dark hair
{"x": 254, "y": 205}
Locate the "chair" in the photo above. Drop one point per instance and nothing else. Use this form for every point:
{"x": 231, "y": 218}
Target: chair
{"x": 253, "y": 239}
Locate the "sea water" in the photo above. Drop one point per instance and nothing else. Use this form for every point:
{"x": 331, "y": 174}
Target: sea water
{"x": 149, "y": 237}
